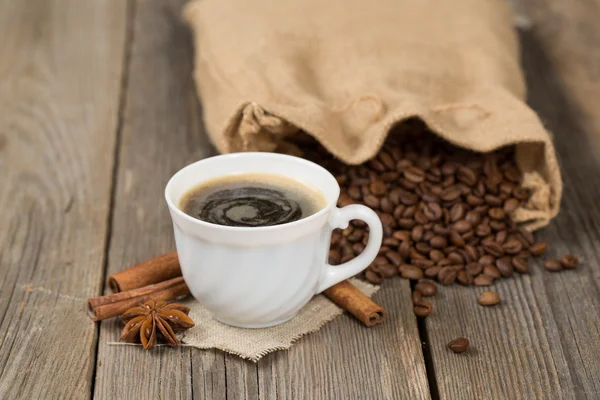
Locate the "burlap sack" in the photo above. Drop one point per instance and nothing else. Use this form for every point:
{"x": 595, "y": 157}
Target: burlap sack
{"x": 346, "y": 71}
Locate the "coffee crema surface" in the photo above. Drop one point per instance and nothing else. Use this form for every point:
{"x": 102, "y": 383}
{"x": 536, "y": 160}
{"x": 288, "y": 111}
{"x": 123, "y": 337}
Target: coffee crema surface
{"x": 252, "y": 200}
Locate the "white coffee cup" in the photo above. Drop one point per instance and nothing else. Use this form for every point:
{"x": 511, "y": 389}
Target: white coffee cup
{"x": 256, "y": 277}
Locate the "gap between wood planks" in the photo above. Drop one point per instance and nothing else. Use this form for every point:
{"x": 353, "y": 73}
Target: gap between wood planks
{"x": 130, "y": 16}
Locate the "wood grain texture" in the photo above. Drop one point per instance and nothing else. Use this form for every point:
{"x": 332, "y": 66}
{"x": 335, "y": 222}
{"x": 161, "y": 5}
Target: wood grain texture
{"x": 161, "y": 134}
{"x": 345, "y": 360}
{"x": 543, "y": 340}
{"x": 60, "y": 72}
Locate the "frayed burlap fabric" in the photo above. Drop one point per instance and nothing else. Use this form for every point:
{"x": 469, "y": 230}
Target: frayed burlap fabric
{"x": 252, "y": 344}
{"x": 346, "y": 71}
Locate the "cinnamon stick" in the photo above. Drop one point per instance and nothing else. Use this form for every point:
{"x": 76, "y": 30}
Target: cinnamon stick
{"x": 154, "y": 270}
{"x": 161, "y": 268}
{"x": 348, "y": 297}
{"x": 103, "y": 307}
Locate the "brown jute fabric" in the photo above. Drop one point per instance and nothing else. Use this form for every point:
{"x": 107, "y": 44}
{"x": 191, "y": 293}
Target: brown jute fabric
{"x": 253, "y": 344}
{"x": 346, "y": 71}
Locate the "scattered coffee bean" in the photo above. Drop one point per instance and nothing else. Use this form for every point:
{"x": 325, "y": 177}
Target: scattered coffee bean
{"x": 458, "y": 345}
{"x": 387, "y": 270}
{"x": 394, "y": 257}
{"x": 489, "y": 298}
{"x": 492, "y": 272}
{"x": 474, "y": 268}
{"x": 553, "y": 265}
{"x": 411, "y": 272}
{"x": 417, "y": 297}
{"x": 464, "y": 278}
{"x": 447, "y": 275}
{"x": 482, "y": 280}
{"x": 538, "y": 249}
{"x": 373, "y": 276}
{"x": 505, "y": 266}
{"x": 521, "y": 265}
{"x": 423, "y": 308}
{"x": 427, "y": 288}
{"x": 569, "y": 261}
{"x": 432, "y": 272}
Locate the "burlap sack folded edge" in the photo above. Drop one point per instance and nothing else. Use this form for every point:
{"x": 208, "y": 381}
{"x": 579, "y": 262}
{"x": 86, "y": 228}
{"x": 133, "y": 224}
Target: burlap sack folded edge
{"x": 261, "y": 125}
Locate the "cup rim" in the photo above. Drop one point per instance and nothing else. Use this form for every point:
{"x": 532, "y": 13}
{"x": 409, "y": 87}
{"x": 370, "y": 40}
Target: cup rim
{"x": 330, "y": 203}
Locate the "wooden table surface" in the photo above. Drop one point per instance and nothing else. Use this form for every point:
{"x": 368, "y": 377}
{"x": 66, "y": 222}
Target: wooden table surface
{"x": 98, "y": 110}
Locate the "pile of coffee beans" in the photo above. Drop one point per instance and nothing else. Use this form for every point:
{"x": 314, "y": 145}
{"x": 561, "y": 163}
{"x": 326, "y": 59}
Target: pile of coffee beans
{"x": 446, "y": 213}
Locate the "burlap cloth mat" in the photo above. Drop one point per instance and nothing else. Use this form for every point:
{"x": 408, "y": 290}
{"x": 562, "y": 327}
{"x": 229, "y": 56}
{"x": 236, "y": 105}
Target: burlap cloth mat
{"x": 253, "y": 344}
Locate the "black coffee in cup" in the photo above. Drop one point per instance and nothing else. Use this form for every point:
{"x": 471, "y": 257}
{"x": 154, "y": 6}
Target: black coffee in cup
{"x": 252, "y": 200}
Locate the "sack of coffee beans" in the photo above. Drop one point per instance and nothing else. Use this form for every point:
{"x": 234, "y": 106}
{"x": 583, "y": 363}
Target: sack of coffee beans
{"x": 347, "y": 71}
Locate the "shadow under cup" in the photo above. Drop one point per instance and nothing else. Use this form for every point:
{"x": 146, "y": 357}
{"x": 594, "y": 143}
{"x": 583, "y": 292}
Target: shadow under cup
{"x": 252, "y": 276}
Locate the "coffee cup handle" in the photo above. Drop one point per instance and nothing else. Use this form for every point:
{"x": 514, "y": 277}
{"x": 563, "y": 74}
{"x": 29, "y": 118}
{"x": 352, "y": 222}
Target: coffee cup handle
{"x": 339, "y": 218}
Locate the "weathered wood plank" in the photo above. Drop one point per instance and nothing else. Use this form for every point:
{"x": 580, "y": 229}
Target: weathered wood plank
{"x": 60, "y": 72}
{"x": 161, "y": 133}
{"x": 345, "y": 360}
{"x": 543, "y": 341}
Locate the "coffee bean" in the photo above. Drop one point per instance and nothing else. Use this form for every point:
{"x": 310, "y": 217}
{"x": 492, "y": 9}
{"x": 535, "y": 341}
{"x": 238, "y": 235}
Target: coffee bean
{"x": 528, "y": 236}
{"x": 423, "y": 264}
{"x": 521, "y": 193}
{"x": 378, "y": 187}
{"x": 414, "y": 174}
{"x": 538, "y": 249}
{"x": 449, "y": 168}
{"x": 473, "y": 200}
{"x": 414, "y": 255}
{"x": 513, "y": 246}
{"x": 513, "y": 175}
{"x": 401, "y": 235}
{"x": 501, "y": 237}
{"x": 417, "y": 297}
{"x": 387, "y": 160}
{"x": 406, "y": 223}
{"x": 464, "y": 278}
{"x": 404, "y": 250}
{"x": 388, "y": 270}
{"x": 417, "y": 232}
{"x": 391, "y": 242}
{"x": 569, "y": 261}
{"x": 457, "y": 212}
{"x": 486, "y": 259}
{"x": 483, "y": 230}
{"x": 450, "y": 194}
{"x": 409, "y": 212}
{"x": 496, "y": 213}
{"x": 472, "y": 251}
{"x": 473, "y": 268}
{"x": 394, "y": 257}
{"x": 436, "y": 255}
{"x": 407, "y": 198}
{"x": 432, "y": 272}
{"x": 344, "y": 200}
{"x": 482, "y": 280}
{"x": 371, "y": 201}
{"x": 403, "y": 164}
{"x": 334, "y": 257}
{"x": 386, "y": 205}
{"x": 358, "y": 248}
{"x": 411, "y": 272}
{"x": 427, "y": 288}
{"x": 447, "y": 275}
{"x": 553, "y": 265}
{"x": 433, "y": 211}
{"x": 466, "y": 175}
{"x": 492, "y": 272}
{"x": 373, "y": 276}
{"x": 455, "y": 258}
{"x": 438, "y": 242}
{"x": 497, "y": 225}
{"x": 458, "y": 345}
{"x": 511, "y": 205}
{"x": 493, "y": 249}
{"x": 354, "y": 193}
{"x": 462, "y": 226}
{"x": 380, "y": 260}
{"x": 423, "y": 309}
{"x": 504, "y": 265}
{"x": 441, "y": 230}
{"x": 456, "y": 238}
{"x": 520, "y": 265}
{"x": 489, "y": 299}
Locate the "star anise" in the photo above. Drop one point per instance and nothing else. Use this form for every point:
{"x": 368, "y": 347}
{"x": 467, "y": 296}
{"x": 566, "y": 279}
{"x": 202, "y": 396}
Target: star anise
{"x": 153, "y": 319}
